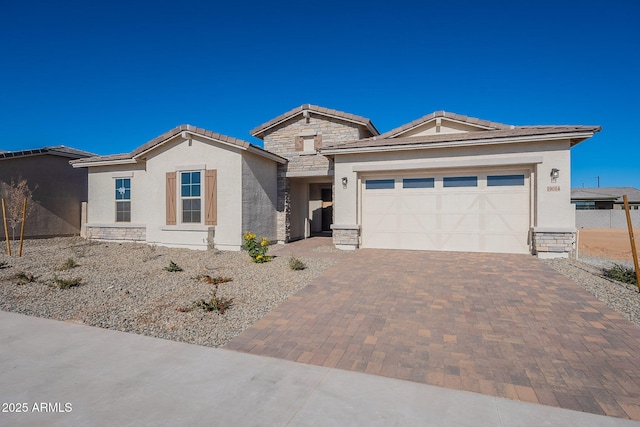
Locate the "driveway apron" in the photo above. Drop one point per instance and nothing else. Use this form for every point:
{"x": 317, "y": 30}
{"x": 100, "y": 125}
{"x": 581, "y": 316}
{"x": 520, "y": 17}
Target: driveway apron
{"x": 498, "y": 324}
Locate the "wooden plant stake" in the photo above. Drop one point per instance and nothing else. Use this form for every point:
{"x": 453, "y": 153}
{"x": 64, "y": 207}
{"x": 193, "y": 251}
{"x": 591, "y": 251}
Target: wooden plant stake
{"x": 24, "y": 219}
{"x": 634, "y": 251}
{"x": 6, "y": 230}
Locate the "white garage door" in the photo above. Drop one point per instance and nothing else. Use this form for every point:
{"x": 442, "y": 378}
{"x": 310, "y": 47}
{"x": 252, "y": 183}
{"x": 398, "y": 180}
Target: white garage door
{"x": 465, "y": 211}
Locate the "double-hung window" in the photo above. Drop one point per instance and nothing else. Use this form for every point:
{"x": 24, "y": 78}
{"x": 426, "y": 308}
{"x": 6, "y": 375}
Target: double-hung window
{"x": 123, "y": 200}
{"x": 191, "y": 199}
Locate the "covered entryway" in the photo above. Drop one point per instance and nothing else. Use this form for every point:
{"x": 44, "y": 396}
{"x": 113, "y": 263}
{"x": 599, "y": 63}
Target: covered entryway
{"x": 462, "y": 210}
{"x": 311, "y": 207}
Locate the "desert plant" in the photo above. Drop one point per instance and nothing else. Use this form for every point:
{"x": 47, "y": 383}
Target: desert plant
{"x": 173, "y": 267}
{"x": 23, "y": 277}
{"x": 14, "y": 195}
{"x": 68, "y": 265}
{"x": 621, "y": 273}
{"x": 296, "y": 264}
{"x": 66, "y": 283}
{"x": 212, "y": 280}
{"x": 257, "y": 250}
{"x": 4, "y": 264}
{"x": 216, "y": 303}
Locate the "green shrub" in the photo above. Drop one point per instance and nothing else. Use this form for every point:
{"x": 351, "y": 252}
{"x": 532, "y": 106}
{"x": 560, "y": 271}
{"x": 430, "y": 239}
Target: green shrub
{"x": 257, "y": 250}
{"x": 296, "y": 264}
{"x": 68, "y": 265}
{"x": 215, "y": 303}
{"x": 621, "y": 274}
{"x": 173, "y": 267}
{"x": 66, "y": 283}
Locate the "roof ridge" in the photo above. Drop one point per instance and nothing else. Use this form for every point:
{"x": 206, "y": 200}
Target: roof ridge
{"x": 446, "y": 114}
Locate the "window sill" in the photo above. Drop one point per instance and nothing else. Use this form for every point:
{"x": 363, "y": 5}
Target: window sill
{"x": 116, "y": 225}
{"x": 187, "y": 227}
{"x": 308, "y": 153}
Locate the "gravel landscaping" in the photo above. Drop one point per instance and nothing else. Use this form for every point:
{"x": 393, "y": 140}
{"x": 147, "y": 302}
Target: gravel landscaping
{"x": 125, "y": 287}
{"x": 587, "y": 272}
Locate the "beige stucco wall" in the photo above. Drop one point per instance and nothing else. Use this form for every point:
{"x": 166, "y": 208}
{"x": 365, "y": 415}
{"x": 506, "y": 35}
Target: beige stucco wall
{"x": 259, "y": 196}
{"x": 446, "y": 127}
{"x": 551, "y": 208}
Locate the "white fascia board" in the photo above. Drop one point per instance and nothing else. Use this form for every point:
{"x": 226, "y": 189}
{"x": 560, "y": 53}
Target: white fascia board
{"x": 368, "y": 125}
{"x": 104, "y": 163}
{"x": 453, "y": 144}
{"x": 513, "y": 161}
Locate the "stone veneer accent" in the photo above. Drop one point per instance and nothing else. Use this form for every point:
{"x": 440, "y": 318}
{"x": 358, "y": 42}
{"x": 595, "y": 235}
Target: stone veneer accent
{"x": 136, "y": 233}
{"x": 346, "y": 236}
{"x": 553, "y": 243}
{"x": 281, "y": 141}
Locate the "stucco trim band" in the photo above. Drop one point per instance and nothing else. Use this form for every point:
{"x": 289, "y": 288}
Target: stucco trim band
{"x": 514, "y": 161}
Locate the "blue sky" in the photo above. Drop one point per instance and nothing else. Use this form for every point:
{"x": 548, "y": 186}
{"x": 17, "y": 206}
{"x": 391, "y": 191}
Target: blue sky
{"x": 108, "y": 76}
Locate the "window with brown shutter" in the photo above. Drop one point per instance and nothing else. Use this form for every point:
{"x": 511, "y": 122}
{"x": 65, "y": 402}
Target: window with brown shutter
{"x": 171, "y": 198}
{"x": 210, "y": 199}
{"x": 299, "y": 144}
{"x": 317, "y": 141}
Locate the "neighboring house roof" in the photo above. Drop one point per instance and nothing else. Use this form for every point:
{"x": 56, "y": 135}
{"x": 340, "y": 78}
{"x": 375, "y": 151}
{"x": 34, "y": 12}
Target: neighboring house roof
{"x": 328, "y": 112}
{"x": 58, "y": 150}
{"x": 452, "y": 116}
{"x": 488, "y": 133}
{"x": 183, "y": 131}
{"x": 606, "y": 193}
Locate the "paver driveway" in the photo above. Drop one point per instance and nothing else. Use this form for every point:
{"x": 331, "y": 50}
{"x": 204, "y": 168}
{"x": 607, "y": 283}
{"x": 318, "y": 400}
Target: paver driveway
{"x": 502, "y": 325}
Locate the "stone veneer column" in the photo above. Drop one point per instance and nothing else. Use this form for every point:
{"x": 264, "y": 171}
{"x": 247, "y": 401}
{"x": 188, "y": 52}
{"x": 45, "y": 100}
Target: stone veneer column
{"x": 551, "y": 242}
{"x": 346, "y": 237}
{"x": 283, "y": 226}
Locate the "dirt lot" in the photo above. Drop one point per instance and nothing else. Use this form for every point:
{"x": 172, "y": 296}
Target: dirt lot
{"x": 611, "y": 243}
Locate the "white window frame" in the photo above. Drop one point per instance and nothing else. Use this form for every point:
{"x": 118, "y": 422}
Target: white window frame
{"x": 123, "y": 199}
{"x": 200, "y": 197}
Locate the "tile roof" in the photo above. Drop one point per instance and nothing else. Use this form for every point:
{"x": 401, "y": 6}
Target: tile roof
{"x": 452, "y": 116}
{"x": 500, "y": 134}
{"x": 606, "y": 193}
{"x": 159, "y": 140}
{"x": 258, "y": 131}
{"x": 57, "y": 150}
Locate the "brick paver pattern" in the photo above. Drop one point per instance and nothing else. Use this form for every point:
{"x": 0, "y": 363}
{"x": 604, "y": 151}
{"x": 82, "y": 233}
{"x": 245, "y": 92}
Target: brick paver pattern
{"x": 501, "y": 325}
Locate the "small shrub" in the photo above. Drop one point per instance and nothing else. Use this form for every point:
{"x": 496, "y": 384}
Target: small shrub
{"x": 621, "y": 274}
{"x": 212, "y": 280}
{"x": 173, "y": 267}
{"x": 4, "y": 264}
{"x": 68, "y": 265}
{"x": 66, "y": 283}
{"x": 25, "y": 277}
{"x": 296, "y": 264}
{"x": 216, "y": 303}
{"x": 257, "y": 250}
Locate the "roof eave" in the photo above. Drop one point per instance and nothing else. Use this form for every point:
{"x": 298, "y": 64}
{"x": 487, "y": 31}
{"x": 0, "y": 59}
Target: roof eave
{"x": 465, "y": 143}
{"x": 103, "y": 163}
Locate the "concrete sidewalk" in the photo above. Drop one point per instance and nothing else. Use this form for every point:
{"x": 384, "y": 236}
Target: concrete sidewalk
{"x": 115, "y": 378}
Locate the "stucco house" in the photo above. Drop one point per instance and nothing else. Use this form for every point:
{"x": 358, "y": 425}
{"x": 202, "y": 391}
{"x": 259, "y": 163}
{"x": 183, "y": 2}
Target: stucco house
{"x": 58, "y": 189}
{"x": 189, "y": 187}
{"x": 442, "y": 182}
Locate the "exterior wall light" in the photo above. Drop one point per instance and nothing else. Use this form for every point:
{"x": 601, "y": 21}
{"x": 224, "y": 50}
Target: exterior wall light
{"x": 345, "y": 180}
{"x": 555, "y": 174}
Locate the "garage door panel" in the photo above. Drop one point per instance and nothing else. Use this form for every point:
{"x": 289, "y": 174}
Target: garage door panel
{"x": 481, "y": 218}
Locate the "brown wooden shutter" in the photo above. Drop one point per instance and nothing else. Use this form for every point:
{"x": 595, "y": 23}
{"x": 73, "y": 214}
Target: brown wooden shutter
{"x": 317, "y": 141}
{"x": 299, "y": 143}
{"x": 211, "y": 197}
{"x": 171, "y": 198}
